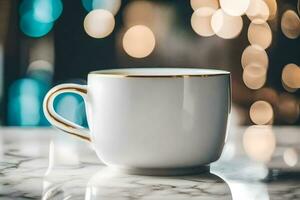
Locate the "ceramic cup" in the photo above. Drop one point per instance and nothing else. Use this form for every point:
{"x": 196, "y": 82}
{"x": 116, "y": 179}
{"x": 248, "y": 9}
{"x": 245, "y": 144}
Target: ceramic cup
{"x": 153, "y": 120}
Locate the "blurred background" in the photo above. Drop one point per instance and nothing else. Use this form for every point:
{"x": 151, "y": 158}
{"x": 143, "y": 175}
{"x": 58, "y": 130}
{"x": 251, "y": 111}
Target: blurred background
{"x": 47, "y": 42}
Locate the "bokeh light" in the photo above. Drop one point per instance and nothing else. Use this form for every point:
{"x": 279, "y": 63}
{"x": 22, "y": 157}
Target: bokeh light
{"x": 226, "y": 26}
{"x": 112, "y": 6}
{"x": 40, "y": 65}
{"x": 259, "y": 143}
{"x": 25, "y": 100}
{"x": 99, "y": 23}
{"x": 287, "y": 88}
{"x": 68, "y": 106}
{"x": 255, "y": 54}
{"x": 200, "y": 21}
{"x": 288, "y": 108}
{"x": 234, "y": 7}
{"x": 33, "y": 28}
{"x": 258, "y": 11}
{"x": 196, "y": 4}
{"x": 43, "y": 11}
{"x": 260, "y": 34}
{"x": 290, "y": 24}
{"x": 254, "y": 76}
{"x": 272, "y": 5}
{"x": 261, "y": 112}
{"x": 291, "y": 75}
{"x": 290, "y": 157}
{"x": 139, "y": 41}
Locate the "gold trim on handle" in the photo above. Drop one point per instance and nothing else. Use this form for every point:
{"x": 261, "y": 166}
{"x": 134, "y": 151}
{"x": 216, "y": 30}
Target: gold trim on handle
{"x": 60, "y": 121}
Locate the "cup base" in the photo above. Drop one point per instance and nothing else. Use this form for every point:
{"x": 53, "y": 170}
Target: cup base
{"x": 164, "y": 171}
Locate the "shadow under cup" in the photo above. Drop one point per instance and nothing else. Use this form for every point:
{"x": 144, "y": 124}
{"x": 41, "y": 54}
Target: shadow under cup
{"x": 161, "y": 119}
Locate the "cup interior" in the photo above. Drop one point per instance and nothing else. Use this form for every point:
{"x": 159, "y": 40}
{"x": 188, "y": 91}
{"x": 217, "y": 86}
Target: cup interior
{"x": 165, "y": 72}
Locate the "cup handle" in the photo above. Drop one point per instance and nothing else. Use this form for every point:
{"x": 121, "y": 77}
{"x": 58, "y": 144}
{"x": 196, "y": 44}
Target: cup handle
{"x": 57, "y": 120}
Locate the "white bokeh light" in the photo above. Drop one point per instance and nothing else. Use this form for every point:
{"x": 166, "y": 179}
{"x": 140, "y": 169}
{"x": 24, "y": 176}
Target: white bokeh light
{"x": 258, "y": 11}
{"x": 234, "y": 7}
{"x": 200, "y": 21}
{"x": 99, "y": 23}
{"x": 226, "y": 26}
{"x": 139, "y": 41}
{"x": 259, "y": 143}
{"x": 195, "y": 4}
{"x": 290, "y": 157}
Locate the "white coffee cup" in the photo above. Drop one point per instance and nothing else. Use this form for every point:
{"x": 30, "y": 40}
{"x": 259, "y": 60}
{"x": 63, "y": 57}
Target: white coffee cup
{"x": 151, "y": 118}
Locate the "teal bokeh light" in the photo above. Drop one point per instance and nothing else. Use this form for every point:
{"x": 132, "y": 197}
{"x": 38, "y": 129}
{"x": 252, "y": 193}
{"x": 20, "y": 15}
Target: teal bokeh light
{"x": 99, "y": 4}
{"x": 38, "y": 16}
{"x": 44, "y": 11}
{"x": 71, "y": 107}
{"x": 87, "y": 4}
{"x": 33, "y": 28}
{"x": 25, "y": 103}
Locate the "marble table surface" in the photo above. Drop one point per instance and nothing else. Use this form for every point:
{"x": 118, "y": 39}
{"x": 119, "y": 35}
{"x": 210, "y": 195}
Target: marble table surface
{"x": 258, "y": 162}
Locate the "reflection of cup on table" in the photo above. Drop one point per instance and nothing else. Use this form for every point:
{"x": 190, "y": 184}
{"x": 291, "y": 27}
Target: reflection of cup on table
{"x": 107, "y": 184}
{"x": 151, "y": 118}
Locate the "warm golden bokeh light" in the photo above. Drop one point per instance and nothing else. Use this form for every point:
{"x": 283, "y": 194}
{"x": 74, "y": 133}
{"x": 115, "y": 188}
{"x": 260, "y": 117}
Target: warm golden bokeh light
{"x": 260, "y": 34}
{"x": 258, "y": 11}
{"x": 99, "y": 23}
{"x": 272, "y": 5}
{"x": 226, "y": 26}
{"x": 139, "y": 41}
{"x": 200, "y": 21}
{"x": 290, "y": 157}
{"x": 138, "y": 12}
{"x": 291, "y": 75}
{"x": 261, "y": 112}
{"x": 259, "y": 143}
{"x": 254, "y": 54}
{"x": 234, "y": 7}
{"x": 40, "y": 65}
{"x": 290, "y": 24}
{"x": 254, "y": 76}
{"x": 287, "y": 88}
{"x": 288, "y": 108}
{"x": 204, "y": 3}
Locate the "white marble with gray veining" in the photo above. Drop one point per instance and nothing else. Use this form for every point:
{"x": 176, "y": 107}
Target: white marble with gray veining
{"x": 45, "y": 164}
